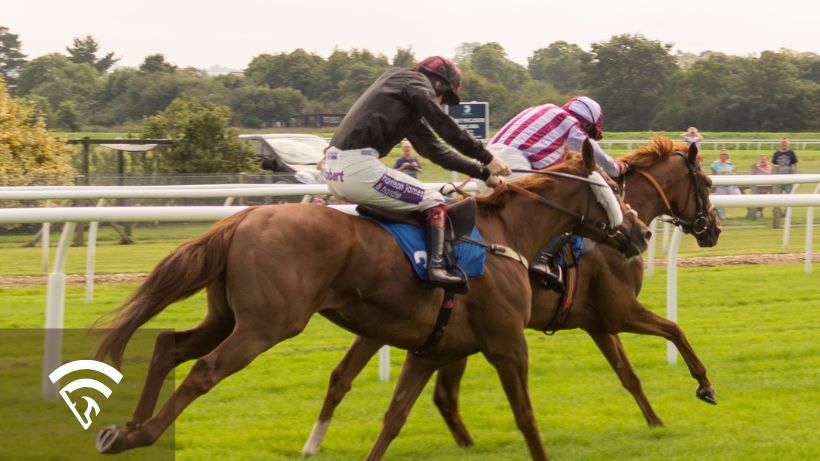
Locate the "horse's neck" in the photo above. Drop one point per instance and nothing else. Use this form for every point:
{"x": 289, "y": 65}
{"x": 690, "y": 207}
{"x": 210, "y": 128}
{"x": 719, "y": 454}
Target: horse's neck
{"x": 526, "y": 225}
{"x": 648, "y": 204}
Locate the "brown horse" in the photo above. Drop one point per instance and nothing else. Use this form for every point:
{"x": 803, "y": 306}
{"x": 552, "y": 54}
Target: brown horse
{"x": 608, "y": 287}
{"x": 269, "y": 269}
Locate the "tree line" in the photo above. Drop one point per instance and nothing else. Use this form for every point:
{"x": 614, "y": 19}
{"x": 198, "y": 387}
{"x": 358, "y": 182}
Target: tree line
{"x": 641, "y": 83}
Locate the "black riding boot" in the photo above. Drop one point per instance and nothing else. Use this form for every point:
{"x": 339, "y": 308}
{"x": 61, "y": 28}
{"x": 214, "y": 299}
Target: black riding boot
{"x": 438, "y": 276}
{"x": 544, "y": 267}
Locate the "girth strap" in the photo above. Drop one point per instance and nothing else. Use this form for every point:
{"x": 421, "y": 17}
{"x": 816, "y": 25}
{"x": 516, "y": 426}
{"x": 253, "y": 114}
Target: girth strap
{"x": 499, "y": 250}
{"x": 448, "y": 302}
{"x": 442, "y": 319}
{"x": 570, "y": 291}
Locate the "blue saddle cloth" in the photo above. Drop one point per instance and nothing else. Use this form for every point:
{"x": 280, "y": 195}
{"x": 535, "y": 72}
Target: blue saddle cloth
{"x": 470, "y": 258}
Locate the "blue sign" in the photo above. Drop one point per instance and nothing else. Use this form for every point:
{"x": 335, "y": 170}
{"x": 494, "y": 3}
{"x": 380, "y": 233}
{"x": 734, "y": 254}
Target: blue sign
{"x": 474, "y": 117}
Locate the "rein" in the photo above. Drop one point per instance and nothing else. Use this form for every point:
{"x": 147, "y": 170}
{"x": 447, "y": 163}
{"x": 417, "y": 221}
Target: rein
{"x": 611, "y": 232}
{"x": 559, "y": 174}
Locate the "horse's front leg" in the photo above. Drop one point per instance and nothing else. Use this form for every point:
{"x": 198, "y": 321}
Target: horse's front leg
{"x": 612, "y": 348}
{"x": 415, "y": 373}
{"x": 354, "y": 361}
{"x": 446, "y": 399}
{"x": 643, "y": 321}
{"x": 508, "y": 354}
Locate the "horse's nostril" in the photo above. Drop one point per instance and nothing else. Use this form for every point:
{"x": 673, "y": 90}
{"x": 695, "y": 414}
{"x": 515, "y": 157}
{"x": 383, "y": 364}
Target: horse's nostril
{"x": 647, "y": 235}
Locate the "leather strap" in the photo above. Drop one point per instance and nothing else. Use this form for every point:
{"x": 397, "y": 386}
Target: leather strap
{"x": 499, "y": 250}
{"x": 657, "y": 187}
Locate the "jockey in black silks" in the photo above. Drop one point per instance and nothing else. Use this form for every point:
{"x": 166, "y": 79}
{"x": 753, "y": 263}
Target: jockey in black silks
{"x": 400, "y": 104}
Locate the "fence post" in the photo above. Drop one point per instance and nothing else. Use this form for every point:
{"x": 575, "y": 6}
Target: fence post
{"x": 653, "y": 243}
{"x": 672, "y": 291}
{"x": 90, "y": 257}
{"x": 243, "y": 179}
{"x": 666, "y": 235}
{"x": 809, "y": 237}
{"x": 810, "y": 234}
{"x": 55, "y": 307}
{"x": 787, "y": 225}
{"x": 384, "y": 364}
{"x": 45, "y": 240}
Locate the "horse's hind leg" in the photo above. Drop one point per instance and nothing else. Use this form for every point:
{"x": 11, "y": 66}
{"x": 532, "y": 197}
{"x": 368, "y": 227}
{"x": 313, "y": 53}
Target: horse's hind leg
{"x": 642, "y": 320}
{"x": 174, "y": 348}
{"x": 360, "y": 352}
{"x": 446, "y": 399}
{"x": 237, "y": 351}
{"x": 415, "y": 373}
{"x": 612, "y": 348}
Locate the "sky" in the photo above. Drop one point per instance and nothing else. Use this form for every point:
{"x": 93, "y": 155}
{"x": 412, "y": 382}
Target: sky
{"x": 205, "y": 33}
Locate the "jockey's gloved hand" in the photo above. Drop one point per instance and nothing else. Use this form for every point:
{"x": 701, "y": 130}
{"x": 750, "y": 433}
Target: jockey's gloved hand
{"x": 497, "y": 167}
{"x": 622, "y": 167}
{"x": 494, "y": 181}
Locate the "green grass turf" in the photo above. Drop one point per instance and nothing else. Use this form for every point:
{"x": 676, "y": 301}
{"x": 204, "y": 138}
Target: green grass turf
{"x": 754, "y": 327}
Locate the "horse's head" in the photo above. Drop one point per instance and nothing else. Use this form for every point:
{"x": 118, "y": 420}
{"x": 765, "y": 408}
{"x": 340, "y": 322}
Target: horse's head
{"x": 605, "y": 217}
{"x": 681, "y": 187}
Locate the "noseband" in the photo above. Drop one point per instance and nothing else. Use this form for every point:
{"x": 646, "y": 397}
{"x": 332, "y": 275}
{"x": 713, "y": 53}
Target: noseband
{"x": 701, "y": 222}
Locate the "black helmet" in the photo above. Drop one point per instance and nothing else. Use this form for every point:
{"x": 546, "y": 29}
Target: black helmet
{"x": 448, "y": 71}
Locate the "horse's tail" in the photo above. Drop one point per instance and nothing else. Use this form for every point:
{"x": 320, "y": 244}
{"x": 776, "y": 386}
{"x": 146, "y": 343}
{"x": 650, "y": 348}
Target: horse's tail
{"x": 192, "y": 266}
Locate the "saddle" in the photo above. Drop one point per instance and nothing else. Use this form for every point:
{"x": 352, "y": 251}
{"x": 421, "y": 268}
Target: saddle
{"x": 460, "y": 217}
{"x": 460, "y": 223}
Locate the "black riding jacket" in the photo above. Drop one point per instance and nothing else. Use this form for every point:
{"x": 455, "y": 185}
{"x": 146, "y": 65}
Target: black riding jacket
{"x": 402, "y": 104}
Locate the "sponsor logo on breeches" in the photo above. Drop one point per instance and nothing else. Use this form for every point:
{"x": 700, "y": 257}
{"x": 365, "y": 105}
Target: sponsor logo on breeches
{"x": 334, "y": 175}
{"x": 399, "y": 190}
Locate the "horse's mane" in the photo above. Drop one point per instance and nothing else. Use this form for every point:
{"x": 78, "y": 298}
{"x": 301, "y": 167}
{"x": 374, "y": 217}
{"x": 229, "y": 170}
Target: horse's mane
{"x": 659, "y": 147}
{"x": 498, "y": 198}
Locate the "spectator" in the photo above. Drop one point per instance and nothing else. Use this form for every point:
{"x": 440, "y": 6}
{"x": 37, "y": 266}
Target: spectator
{"x": 690, "y": 136}
{"x": 785, "y": 161}
{"x": 408, "y": 163}
{"x": 724, "y": 166}
{"x": 761, "y": 167}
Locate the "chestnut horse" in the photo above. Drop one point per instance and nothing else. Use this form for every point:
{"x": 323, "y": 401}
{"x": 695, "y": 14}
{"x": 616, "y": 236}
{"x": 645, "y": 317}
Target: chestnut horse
{"x": 269, "y": 269}
{"x": 608, "y": 287}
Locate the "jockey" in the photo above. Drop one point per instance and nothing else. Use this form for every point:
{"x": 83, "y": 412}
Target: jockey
{"x": 535, "y": 139}
{"x": 405, "y": 103}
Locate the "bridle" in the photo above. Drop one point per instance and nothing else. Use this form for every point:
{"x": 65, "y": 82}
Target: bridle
{"x": 612, "y": 232}
{"x": 701, "y": 222}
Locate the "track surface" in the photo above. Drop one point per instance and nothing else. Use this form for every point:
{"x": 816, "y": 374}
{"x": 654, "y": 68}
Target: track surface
{"x": 17, "y": 281}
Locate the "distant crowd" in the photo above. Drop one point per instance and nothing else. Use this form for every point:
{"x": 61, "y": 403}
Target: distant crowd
{"x": 783, "y": 161}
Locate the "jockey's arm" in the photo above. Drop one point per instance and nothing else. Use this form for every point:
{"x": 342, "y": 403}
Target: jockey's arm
{"x": 575, "y": 142}
{"x": 428, "y": 145}
{"x": 421, "y": 97}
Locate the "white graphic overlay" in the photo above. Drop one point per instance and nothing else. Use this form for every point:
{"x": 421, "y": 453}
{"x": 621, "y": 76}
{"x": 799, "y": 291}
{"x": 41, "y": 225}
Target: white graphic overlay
{"x": 70, "y": 367}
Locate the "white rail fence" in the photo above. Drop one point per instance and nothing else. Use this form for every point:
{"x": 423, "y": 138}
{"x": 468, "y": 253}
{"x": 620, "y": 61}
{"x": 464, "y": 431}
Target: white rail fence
{"x": 739, "y": 180}
{"x": 759, "y": 145}
{"x": 55, "y": 298}
{"x": 55, "y": 306}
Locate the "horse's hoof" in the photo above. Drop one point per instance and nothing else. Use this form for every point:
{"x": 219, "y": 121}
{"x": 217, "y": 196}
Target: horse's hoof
{"x": 110, "y": 440}
{"x": 707, "y": 396}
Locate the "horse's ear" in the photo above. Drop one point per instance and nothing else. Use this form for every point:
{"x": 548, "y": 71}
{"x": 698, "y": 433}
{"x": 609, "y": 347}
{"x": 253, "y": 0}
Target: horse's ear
{"x": 693, "y": 153}
{"x": 589, "y": 155}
